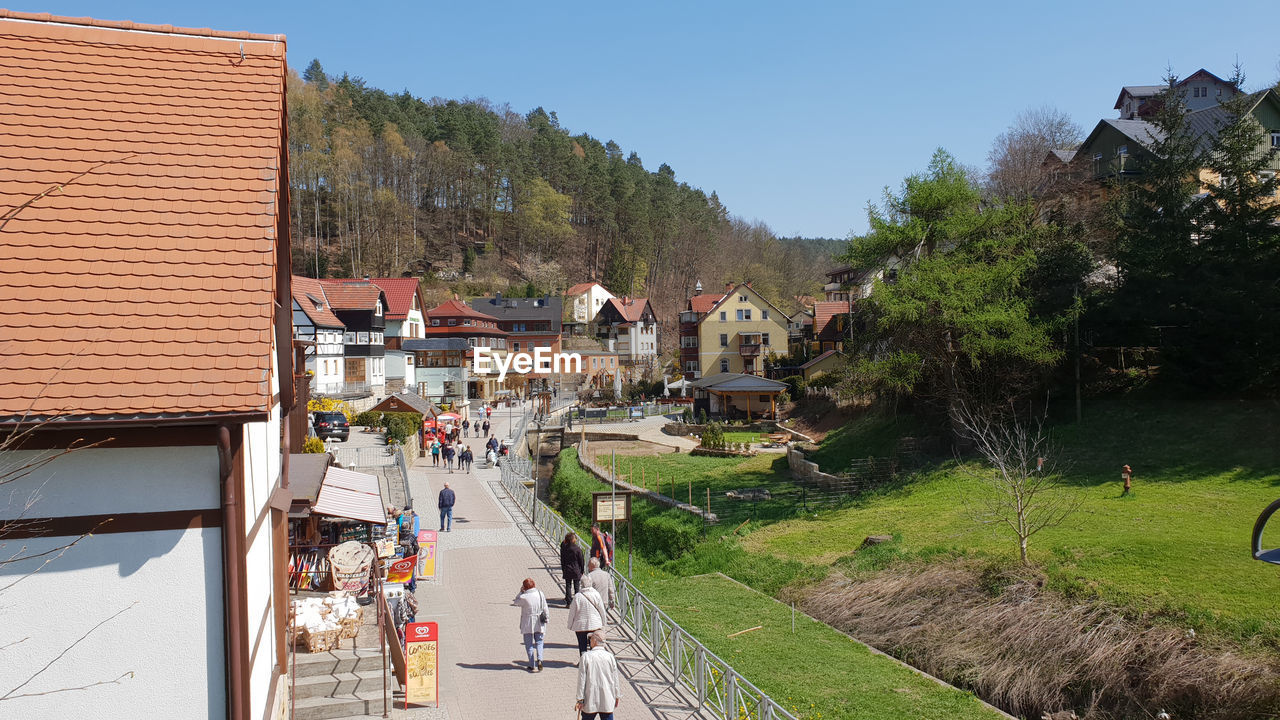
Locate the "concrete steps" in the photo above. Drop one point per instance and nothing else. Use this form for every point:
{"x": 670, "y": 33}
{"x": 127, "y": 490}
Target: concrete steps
{"x": 339, "y": 684}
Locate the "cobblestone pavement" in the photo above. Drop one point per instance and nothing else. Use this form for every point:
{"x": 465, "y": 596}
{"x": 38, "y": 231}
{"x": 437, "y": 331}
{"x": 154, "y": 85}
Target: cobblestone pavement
{"x": 479, "y": 566}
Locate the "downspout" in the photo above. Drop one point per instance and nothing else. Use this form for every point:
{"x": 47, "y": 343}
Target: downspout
{"x": 232, "y": 561}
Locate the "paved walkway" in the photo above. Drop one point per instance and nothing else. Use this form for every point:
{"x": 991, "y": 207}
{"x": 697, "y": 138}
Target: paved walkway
{"x": 479, "y": 566}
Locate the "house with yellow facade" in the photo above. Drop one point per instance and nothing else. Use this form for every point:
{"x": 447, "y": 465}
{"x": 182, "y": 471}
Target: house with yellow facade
{"x": 733, "y": 334}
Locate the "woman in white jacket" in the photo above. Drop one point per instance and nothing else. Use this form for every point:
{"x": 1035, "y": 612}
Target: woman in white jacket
{"x": 586, "y": 615}
{"x": 533, "y": 621}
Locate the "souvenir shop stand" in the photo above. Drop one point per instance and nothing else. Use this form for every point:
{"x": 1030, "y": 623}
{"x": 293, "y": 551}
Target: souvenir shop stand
{"x": 338, "y": 527}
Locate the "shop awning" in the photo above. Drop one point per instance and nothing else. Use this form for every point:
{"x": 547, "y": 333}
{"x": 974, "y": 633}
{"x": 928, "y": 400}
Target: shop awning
{"x": 352, "y": 495}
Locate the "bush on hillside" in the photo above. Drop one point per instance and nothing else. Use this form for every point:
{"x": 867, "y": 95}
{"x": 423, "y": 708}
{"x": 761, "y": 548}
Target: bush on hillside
{"x": 368, "y": 418}
{"x": 713, "y": 437}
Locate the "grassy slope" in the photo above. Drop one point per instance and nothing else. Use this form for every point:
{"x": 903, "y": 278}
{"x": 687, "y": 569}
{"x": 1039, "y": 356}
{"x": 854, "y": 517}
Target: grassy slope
{"x": 816, "y": 672}
{"x": 1178, "y": 546}
{"x": 719, "y": 475}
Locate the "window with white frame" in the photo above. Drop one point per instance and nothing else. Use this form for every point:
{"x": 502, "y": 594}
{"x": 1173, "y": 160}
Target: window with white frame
{"x": 1275, "y": 138}
{"x": 742, "y": 298}
{"x": 722, "y": 316}
{"x": 724, "y": 365}
{"x": 764, "y": 314}
{"x": 724, "y": 340}
{"x": 435, "y": 322}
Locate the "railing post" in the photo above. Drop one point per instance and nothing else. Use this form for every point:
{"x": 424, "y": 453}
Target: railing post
{"x": 677, "y": 645}
{"x": 700, "y": 673}
{"x": 730, "y": 694}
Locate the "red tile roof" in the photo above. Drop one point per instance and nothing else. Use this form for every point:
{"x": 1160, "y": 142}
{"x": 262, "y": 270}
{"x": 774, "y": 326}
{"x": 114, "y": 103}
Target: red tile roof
{"x": 580, "y": 288}
{"x": 457, "y": 308}
{"x": 704, "y": 303}
{"x": 348, "y": 295}
{"x": 629, "y": 308}
{"x": 308, "y": 292}
{"x": 141, "y": 188}
{"x": 399, "y": 291}
{"x": 823, "y": 312}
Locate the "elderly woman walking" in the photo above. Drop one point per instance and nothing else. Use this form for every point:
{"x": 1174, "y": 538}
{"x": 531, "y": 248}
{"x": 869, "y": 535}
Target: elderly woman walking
{"x": 586, "y": 615}
{"x": 533, "y": 621}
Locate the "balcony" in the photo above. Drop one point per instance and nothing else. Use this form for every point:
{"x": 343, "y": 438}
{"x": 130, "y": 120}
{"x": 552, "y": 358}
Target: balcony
{"x": 749, "y": 349}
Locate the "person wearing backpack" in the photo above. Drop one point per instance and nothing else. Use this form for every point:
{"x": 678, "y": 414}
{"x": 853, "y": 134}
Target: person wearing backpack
{"x": 533, "y": 621}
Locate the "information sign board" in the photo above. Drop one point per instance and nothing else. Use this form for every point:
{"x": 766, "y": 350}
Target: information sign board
{"x": 607, "y": 506}
{"x": 426, "y": 553}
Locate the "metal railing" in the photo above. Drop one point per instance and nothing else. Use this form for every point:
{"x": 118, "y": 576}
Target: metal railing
{"x": 364, "y": 457}
{"x": 718, "y": 688}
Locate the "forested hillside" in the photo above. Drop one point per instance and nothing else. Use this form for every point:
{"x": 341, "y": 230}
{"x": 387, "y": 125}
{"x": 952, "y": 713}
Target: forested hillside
{"x": 388, "y": 184}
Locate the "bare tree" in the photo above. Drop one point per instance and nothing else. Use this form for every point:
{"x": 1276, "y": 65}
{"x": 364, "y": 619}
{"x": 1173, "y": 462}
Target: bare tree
{"x": 1025, "y": 491}
{"x": 1017, "y": 156}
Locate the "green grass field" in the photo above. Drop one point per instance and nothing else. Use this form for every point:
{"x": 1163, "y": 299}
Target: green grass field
{"x": 674, "y": 474}
{"x": 1176, "y": 548}
{"x": 815, "y": 672}
{"x": 741, "y": 436}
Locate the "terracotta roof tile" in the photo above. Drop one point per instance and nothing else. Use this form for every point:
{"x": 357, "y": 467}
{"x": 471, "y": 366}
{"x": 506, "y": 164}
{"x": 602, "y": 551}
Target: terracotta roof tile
{"x": 823, "y": 312}
{"x": 142, "y": 283}
{"x": 346, "y": 295}
{"x": 306, "y": 291}
{"x": 631, "y": 309}
{"x": 457, "y": 309}
{"x": 580, "y": 288}
{"x": 399, "y": 292}
{"x": 704, "y": 303}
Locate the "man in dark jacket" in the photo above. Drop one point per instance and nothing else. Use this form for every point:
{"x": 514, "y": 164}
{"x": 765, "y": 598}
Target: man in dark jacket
{"x": 571, "y": 563}
{"x": 445, "y": 503}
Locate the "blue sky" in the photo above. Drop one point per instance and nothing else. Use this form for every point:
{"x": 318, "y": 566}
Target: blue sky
{"x": 797, "y": 114}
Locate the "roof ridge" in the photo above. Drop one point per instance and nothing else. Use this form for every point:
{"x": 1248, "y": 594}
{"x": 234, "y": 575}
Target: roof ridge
{"x": 137, "y": 27}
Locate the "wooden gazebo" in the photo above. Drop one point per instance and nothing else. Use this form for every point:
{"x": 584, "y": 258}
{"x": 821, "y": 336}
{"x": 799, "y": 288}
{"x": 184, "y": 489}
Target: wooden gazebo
{"x": 736, "y": 391}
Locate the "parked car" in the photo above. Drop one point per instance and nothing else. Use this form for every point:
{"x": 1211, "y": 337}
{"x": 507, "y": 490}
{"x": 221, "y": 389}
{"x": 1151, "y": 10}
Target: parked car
{"x": 332, "y": 425}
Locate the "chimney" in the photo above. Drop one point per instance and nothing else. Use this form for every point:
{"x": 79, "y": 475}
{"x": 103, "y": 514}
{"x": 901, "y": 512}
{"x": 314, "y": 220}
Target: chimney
{"x": 748, "y": 283}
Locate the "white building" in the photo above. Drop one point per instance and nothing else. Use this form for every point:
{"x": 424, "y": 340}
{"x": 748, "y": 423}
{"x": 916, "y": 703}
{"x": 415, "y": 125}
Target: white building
{"x": 315, "y": 323}
{"x": 585, "y": 300}
{"x": 629, "y": 327}
{"x": 148, "y": 322}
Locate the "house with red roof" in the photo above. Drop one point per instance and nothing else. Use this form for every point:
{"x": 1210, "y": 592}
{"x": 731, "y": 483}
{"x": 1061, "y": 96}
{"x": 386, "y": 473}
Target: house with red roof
{"x": 629, "y": 327}
{"x": 696, "y": 308}
{"x": 404, "y": 321}
{"x": 458, "y": 320}
{"x": 146, "y": 286}
{"x": 362, "y": 308}
{"x": 319, "y": 332}
{"x": 584, "y": 300}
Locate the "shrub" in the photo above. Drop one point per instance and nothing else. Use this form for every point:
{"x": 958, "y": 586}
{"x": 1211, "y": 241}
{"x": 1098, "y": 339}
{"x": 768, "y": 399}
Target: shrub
{"x": 713, "y": 437}
{"x": 368, "y": 418}
{"x": 687, "y": 416}
{"x": 326, "y": 404}
{"x": 702, "y": 417}
{"x": 401, "y": 426}
{"x": 795, "y": 385}
{"x": 313, "y": 445}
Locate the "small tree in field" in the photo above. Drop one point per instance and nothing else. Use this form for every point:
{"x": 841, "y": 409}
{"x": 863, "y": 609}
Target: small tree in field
{"x": 1025, "y": 490}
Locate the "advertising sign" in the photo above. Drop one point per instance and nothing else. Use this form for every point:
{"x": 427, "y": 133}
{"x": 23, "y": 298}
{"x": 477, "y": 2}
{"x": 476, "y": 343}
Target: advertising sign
{"x": 422, "y": 664}
{"x": 426, "y": 553}
{"x": 607, "y": 506}
{"x": 401, "y": 571}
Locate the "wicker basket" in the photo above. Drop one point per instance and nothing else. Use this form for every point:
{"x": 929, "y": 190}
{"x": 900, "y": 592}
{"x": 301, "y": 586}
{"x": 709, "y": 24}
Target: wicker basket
{"x": 321, "y": 640}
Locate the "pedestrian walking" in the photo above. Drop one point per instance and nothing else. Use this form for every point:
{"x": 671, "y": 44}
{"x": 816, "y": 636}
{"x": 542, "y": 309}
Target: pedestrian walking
{"x": 601, "y": 581}
{"x": 435, "y": 453}
{"x": 571, "y": 566}
{"x": 601, "y": 546}
{"x": 598, "y": 689}
{"x": 485, "y": 427}
{"x": 466, "y": 426}
{"x": 445, "y": 503}
{"x": 488, "y": 412}
{"x": 533, "y": 621}
{"x": 493, "y": 443}
{"x": 586, "y": 615}
{"x": 466, "y": 457}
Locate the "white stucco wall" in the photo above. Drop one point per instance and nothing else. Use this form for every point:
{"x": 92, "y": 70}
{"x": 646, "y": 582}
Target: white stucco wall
{"x": 168, "y": 583}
